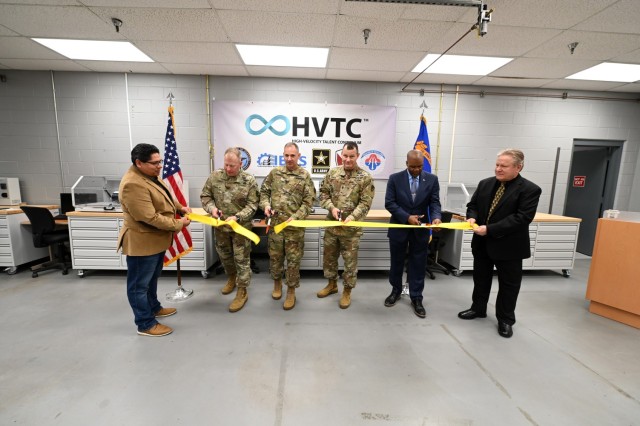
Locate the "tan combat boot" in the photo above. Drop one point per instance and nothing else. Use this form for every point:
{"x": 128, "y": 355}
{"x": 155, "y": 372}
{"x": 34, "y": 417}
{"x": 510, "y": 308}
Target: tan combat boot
{"x": 277, "y": 290}
{"x": 345, "y": 300}
{"x": 230, "y": 285}
{"x": 331, "y": 288}
{"x": 240, "y": 300}
{"x": 290, "y": 300}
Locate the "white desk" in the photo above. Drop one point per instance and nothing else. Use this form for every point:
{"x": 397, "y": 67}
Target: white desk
{"x": 553, "y": 245}
{"x": 16, "y": 241}
{"x": 94, "y": 237}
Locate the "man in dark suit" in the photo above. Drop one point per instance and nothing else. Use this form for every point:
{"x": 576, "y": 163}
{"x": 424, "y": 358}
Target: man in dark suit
{"x": 502, "y": 207}
{"x": 412, "y": 198}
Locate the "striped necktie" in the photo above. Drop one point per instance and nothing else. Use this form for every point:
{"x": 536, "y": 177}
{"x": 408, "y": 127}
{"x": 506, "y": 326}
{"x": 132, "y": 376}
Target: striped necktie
{"x": 414, "y": 188}
{"x": 496, "y": 199}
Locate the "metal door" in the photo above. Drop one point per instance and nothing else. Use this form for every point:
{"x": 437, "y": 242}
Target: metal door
{"x": 591, "y": 187}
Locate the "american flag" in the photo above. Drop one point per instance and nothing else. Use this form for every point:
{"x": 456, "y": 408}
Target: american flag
{"x": 172, "y": 177}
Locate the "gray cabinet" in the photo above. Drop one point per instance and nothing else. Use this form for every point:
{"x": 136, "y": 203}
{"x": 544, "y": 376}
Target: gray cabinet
{"x": 553, "y": 245}
{"x": 94, "y": 239}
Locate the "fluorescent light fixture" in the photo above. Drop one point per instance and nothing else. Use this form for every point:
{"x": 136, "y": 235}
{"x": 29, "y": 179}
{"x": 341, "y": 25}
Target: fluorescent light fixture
{"x": 461, "y": 65}
{"x": 283, "y": 56}
{"x": 608, "y": 71}
{"x": 95, "y": 50}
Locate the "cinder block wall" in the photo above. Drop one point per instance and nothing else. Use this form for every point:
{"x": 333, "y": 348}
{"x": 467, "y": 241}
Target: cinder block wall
{"x": 90, "y": 125}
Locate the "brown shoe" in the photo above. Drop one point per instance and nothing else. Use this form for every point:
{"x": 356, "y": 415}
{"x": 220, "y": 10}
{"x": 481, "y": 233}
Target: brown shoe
{"x": 166, "y": 312}
{"x": 240, "y": 300}
{"x": 230, "y": 285}
{"x": 331, "y": 288}
{"x": 157, "y": 330}
{"x": 290, "y": 300}
{"x": 277, "y": 290}
{"x": 345, "y": 300}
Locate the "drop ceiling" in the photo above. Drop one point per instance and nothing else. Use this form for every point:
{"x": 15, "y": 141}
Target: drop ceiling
{"x": 199, "y": 37}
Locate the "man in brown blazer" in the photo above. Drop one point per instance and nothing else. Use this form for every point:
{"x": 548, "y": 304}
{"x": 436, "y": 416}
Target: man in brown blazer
{"x": 149, "y": 223}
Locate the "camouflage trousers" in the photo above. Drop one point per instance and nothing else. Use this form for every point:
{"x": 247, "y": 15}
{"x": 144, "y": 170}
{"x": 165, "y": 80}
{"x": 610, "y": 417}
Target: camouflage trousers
{"x": 289, "y": 245}
{"x": 341, "y": 245}
{"x": 234, "y": 251}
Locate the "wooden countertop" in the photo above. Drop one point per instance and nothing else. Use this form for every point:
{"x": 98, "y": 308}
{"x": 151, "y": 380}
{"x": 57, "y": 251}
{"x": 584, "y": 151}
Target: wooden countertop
{"x": 543, "y": 217}
{"x": 16, "y": 209}
{"x": 373, "y": 214}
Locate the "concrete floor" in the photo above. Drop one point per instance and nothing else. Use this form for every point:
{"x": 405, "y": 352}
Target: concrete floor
{"x": 71, "y": 356}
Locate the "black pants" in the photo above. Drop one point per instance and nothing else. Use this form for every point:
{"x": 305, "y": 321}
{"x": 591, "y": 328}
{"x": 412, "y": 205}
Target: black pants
{"x": 509, "y": 280}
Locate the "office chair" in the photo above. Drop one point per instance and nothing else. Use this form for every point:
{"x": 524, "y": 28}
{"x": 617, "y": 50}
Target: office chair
{"x": 45, "y": 235}
{"x": 434, "y": 246}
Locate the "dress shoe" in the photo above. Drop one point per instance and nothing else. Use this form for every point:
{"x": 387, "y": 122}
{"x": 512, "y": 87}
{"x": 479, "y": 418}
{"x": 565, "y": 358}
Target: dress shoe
{"x": 470, "y": 314}
{"x": 418, "y": 309}
{"x": 504, "y": 329}
{"x": 166, "y": 312}
{"x": 391, "y": 299}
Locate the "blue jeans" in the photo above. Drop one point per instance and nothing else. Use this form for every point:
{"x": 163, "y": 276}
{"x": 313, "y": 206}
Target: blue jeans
{"x": 142, "y": 288}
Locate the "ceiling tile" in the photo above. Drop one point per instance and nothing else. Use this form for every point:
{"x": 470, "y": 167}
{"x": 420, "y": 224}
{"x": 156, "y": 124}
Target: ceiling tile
{"x": 289, "y": 6}
{"x": 24, "y": 48}
{"x": 595, "y": 46}
{"x": 194, "y": 53}
{"x": 56, "y": 22}
{"x": 206, "y": 69}
{"x": 372, "y": 60}
{"x": 173, "y": 4}
{"x": 556, "y": 14}
{"x": 512, "y": 82}
{"x": 621, "y": 17}
{"x": 387, "y": 35}
{"x": 137, "y": 67}
{"x": 581, "y": 85}
{"x": 336, "y": 74}
{"x": 542, "y": 68}
{"x": 499, "y": 41}
{"x": 43, "y": 64}
{"x": 286, "y": 72}
{"x": 282, "y": 29}
{"x": 166, "y": 24}
{"x": 4, "y": 31}
{"x": 440, "y": 79}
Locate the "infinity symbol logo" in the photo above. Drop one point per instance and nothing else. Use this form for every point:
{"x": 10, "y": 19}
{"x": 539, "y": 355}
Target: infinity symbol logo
{"x": 268, "y": 125}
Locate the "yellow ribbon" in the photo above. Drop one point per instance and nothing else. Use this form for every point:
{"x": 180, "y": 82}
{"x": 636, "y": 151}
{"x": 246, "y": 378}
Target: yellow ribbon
{"x": 463, "y": 226}
{"x": 237, "y": 228}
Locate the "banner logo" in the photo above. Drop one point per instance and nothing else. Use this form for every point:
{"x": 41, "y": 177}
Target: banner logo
{"x": 321, "y": 160}
{"x": 272, "y": 160}
{"x": 268, "y": 125}
{"x": 245, "y": 157}
{"x": 373, "y": 159}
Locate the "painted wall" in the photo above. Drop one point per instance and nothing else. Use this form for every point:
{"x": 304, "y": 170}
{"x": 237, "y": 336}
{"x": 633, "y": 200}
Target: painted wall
{"x": 90, "y": 124}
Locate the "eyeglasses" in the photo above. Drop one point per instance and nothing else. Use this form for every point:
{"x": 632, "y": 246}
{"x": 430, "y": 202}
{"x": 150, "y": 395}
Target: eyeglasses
{"x": 154, "y": 163}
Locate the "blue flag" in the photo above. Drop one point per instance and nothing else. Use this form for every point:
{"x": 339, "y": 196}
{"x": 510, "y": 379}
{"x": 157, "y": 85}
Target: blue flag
{"x": 422, "y": 145}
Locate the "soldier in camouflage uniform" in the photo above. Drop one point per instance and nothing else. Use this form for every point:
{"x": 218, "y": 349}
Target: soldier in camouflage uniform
{"x": 232, "y": 194}
{"x": 287, "y": 194}
{"x": 347, "y": 193}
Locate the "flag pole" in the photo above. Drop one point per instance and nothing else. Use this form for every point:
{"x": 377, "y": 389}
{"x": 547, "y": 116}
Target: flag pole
{"x": 179, "y": 294}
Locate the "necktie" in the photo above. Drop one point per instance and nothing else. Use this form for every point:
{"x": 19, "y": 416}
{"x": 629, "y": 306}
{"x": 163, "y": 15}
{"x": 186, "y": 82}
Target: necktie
{"x": 414, "y": 188}
{"x": 496, "y": 198}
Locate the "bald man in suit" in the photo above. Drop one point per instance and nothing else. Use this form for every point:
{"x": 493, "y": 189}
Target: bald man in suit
{"x": 412, "y": 198}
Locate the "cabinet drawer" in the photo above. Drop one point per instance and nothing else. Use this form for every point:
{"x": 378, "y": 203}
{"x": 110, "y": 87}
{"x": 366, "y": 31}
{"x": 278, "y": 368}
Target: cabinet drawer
{"x": 185, "y": 262}
{"x": 569, "y": 245}
{"x": 309, "y": 263}
{"x": 373, "y": 245}
{"x": 93, "y": 263}
{"x": 553, "y": 263}
{"x": 558, "y": 229}
{"x": 5, "y": 250}
{"x": 92, "y": 233}
{"x": 102, "y": 254}
{"x": 556, "y": 237}
{"x": 94, "y": 224}
{"x": 553, "y": 255}
{"x": 98, "y": 244}
{"x": 311, "y": 245}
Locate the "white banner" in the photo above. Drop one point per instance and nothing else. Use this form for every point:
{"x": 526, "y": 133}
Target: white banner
{"x": 261, "y": 129}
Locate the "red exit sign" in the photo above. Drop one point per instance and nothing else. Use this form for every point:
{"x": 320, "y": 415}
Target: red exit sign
{"x": 578, "y": 181}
